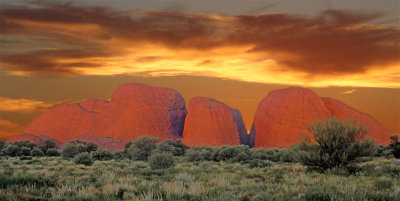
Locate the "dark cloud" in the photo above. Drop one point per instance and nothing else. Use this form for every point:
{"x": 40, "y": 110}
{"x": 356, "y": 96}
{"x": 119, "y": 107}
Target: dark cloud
{"x": 335, "y": 42}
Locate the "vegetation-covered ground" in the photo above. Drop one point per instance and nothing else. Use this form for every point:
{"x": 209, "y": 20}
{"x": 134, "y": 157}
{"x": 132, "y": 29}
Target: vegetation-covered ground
{"x": 55, "y": 178}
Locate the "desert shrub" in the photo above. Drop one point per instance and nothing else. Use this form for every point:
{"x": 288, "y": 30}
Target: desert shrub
{"x": 161, "y": 160}
{"x": 83, "y": 158}
{"x": 200, "y": 153}
{"x": 69, "y": 151}
{"x": 11, "y": 150}
{"x": 118, "y": 155}
{"x": 2, "y": 145}
{"x": 25, "y": 158}
{"x": 230, "y": 153}
{"x": 394, "y": 146}
{"x": 24, "y": 143}
{"x": 25, "y": 151}
{"x": 91, "y": 147}
{"x": 175, "y": 147}
{"x": 52, "y": 152}
{"x": 193, "y": 155}
{"x": 102, "y": 155}
{"x": 36, "y": 152}
{"x": 265, "y": 154}
{"x": 142, "y": 147}
{"x": 73, "y": 148}
{"x": 48, "y": 144}
{"x": 257, "y": 163}
{"x": 338, "y": 143}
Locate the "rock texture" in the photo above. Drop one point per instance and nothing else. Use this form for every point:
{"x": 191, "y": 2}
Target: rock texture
{"x": 283, "y": 114}
{"x": 62, "y": 123}
{"x": 134, "y": 110}
{"x": 212, "y": 123}
{"x": 376, "y": 131}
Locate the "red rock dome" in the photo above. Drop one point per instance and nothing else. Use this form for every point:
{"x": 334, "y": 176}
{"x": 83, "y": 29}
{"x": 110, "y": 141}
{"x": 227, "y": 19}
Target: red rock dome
{"x": 284, "y": 114}
{"x": 376, "y": 131}
{"x": 137, "y": 109}
{"x": 212, "y": 123}
{"x": 134, "y": 110}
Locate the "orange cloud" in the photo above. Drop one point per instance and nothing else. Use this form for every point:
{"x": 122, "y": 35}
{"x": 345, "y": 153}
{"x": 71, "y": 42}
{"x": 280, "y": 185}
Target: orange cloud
{"x": 350, "y": 91}
{"x": 21, "y": 105}
{"x": 9, "y": 128}
{"x": 334, "y": 48}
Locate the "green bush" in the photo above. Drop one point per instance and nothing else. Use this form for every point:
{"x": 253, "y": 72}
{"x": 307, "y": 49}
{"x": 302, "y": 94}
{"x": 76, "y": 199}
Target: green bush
{"x": 201, "y": 153}
{"x": 394, "y": 146}
{"x": 2, "y": 145}
{"x": 36, "y": 152}
{"x": 175, "y": 147}
{"x": 73, "y": 148}
{"x": 193, "y": 155}
{"x": 338, "y": 143}
{"x": 52, "y": 152}
{"x": 102, "y": 155}
{"x": 257, "y": 163}
{"x": 25, "y": 151}
{"x": 161, "y": 161}
{"x": 91, "y": 147}
{"x": 48, "y": 144}
{"x": 230, "y": 153}
{"x": 142, "y": 147}
{"x": 83, "y": 158}
{"x": 11, "y": 150}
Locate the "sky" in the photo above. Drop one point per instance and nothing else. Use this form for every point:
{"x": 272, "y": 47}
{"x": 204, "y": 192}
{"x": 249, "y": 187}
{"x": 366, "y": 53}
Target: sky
{"x": 55, "y": 52}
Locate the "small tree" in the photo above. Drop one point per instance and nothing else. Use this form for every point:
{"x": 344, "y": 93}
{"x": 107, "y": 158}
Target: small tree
{"x": 83, "y": 158}
{"x": 11, "y": 150}
{"x": 336, "y": 143}
{"x": 48, "y": 144}
{"x": 92, "y": 147}
{"x": 395, "y": 146}
{"x": 52, "y": 152}
{"x": 161, "y": 160}
{"x": 70, "y": 150}
{"x": 142, "y": 147}
{"x": 37, "y": 152}
{"x": 175, "y": 147}
{"x": 102, "y": 155}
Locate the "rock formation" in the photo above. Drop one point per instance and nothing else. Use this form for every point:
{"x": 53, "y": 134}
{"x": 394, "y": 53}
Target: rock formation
{"x": 376, "y": 131}
{"x": 283, "y": 114}
{"x": 134, "y": 110}
{"x": 137, "y": 110}
{"x": 212, "y": 123}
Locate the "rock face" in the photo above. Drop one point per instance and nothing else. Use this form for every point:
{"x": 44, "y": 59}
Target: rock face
{"x": 134, "y": 110}
{"x": 212, "y": 123}
{"x": 283, "y": 114}
{"x": 62, "y": 123}
{"x": 137, "y": 110}
{"x": 376, "y": 130}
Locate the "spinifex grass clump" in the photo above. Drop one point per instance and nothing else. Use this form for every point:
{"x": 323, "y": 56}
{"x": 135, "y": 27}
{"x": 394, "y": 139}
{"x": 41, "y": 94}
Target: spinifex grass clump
{"x": 336, "y": 143}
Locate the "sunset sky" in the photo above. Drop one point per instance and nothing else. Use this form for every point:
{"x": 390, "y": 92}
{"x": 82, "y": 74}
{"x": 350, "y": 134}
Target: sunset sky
{"x": 54, "y": 52}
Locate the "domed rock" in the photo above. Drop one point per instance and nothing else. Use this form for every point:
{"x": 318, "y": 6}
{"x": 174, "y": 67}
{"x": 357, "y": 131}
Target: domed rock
{"x": 212, "y": 123}
{"x": 376, "y": 130}
{"x": 137, "y": 109}
{"x": 134, "y": 110}
{"x": 62, "y": 123}
{"x": 282, "y": 116}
